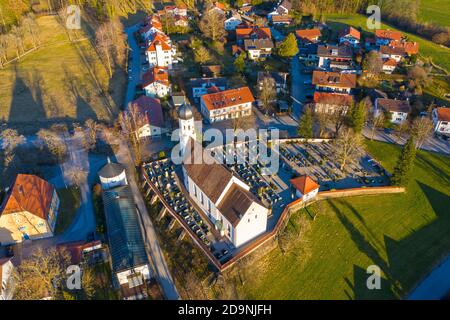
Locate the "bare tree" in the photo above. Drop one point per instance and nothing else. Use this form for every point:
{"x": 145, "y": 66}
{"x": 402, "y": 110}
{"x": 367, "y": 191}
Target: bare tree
{"x": 421, "y": 128}
{"x": 4, "y": 45}
{"x": 41, "y": 275}
{"x": 16, "y": 36}
{"x": 373, "y": 63}
{"x": 54, "y": 142}
{"x": 337, "y": 120}
{"x": 92, "y": 129}
{"x": 212, "y": 25}
{"x": 267, "y": 93}
{"x": 76, "y": 175}
{"x": 11, "y": 139}
{"x": 322, "y": 120}
{"x": 347, "y": 144}
{"x": 376, "y": 121}
{"x": 32, "y": 28}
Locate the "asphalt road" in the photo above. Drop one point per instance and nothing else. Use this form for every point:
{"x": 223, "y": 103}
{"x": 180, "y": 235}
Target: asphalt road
{"x": 134, "y": 64}
{"x": 298, "y": 88}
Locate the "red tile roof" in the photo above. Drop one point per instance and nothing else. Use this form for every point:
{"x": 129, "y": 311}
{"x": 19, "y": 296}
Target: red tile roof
{"x": 334, "y": 79}
{"x": 259, "y": 33}
{"x": 304, "y": 184}
{"x": 150, "y": 109}
{"x": 156, "y": 74}
{"x": 390, "y": 62}
{"x": 159, "y": 39}
{"x": 443, "y": 114}
{"x": 408, "y": 46}
{"x": 333, "y": 98}
{"x": 350, "y": 31}
{"x": 228, "y": 98}
{"x": 388, "y": 34}
{"x": 308, "y": 34}
{"x": 28, "y": 193}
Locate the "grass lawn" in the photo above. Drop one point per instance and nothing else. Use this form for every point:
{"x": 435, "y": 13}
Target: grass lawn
{"x": 69, "y": 203}
{"x": 440, "y": 55}
{"x": 404, "y": 234}
{"x": 435, "y": 11}
{"x": 59, "y": 81}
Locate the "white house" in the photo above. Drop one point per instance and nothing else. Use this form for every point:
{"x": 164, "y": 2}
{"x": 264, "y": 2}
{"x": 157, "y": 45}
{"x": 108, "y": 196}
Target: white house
{"x": 395, "y": 53}
{"x": 200, "y": 86}
{"x": 398, "y": 109}
{"x": 222, "y": 196}
{"x": 150, "y": 114}
{"x": 6, "y": 268}
{"x": 334, "y": 81}
{"x": 441, "y": 120}
{"x": 227, "y": 104}
{"x": 351, "y": 36}
{"x": 282, "y": 9}
{"x": 112, "y": 175}
{"x": 155, "y": 82}
{"x": 160, "y": 52}
{"x": 258, "y": 48}
{"x": 305, "y": 187}
{"x": 389, "y": 66}
{"x": 232, "y": 22}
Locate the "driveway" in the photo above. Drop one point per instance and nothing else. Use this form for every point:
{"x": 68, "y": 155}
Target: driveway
{"x": 298, "y": 89}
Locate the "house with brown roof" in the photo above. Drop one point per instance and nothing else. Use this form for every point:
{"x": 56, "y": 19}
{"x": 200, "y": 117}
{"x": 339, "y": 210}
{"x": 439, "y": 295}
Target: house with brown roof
{"x": 350, "y": 36}
{"x": 395, "y": 53}
{"x": 155, "y": 82}
{"x": 308, "y": 35}
{"x": 281, "y": 20}
{"x": 340, "y": 56}
{"x": 305, "y": 187}
{"x": 328, "y": 102}
{"x": 6, "y": 279}
{"x": 228, "y": 104}
{"x": 258, "y": 48}
{"x": 334, "y": 81}
{"x": 282, "y": 9}
{"x": 441, "y": 120}
{"x": 29, "y": 210}
{"x": 222, "y": 196}
{"x": 150, "y": 117}
{"x": 398, "y": 109}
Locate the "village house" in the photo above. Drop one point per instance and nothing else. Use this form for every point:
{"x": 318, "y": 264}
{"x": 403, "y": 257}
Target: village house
{"x": 410, "y": 48}
{"x": 336, "y": 57}
{"x": 389, "y": 65}
{"x": 82, "y": 252}
{"x": 112, "y": 175}
{"x": 281, "y": 20}
{"x": 258, "y": 48}
{"x": 233, "y": 21}
{"x": 282, "y": 9}
{"x": 29, "y": 210}
{"x": 387, "y": 37}
{"x": 326, "y": 102}
{"x": 280, "y": 79}
{"x": 441, "y": 120}
{"x": 252, "y": 32}
{"x": 151, "y": 121}
{"x": 305, "y": 187}
{"x": 6, "y": 279}
{"x": 160, "y": 52}
{"x": 398, "y": 109}
{"x": 246, "y": 9}
{"x": 334, "y": 81}
{"x": 223, "y": 197}
{"x": 308, "y": 53}
{"x": 308, "y": 35}
{"x": 176, "y": 10}
{"x": 129, "y": 262}
{"x": 200, "y": 86}
{"x": 155, "y": 82}
{"x": 218, "y": 7}
{"x": 350, "y": 36}
{"x": 151, "y": 26}
{"x": 227, "y": 104}
{"x": 394, "y": 53}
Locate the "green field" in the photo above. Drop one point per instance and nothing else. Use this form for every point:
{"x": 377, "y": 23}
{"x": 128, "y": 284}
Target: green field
{"x": 70, "y": 202}
{"x": 440, "y": 55}
{"x": 404, "y": 234}
{"x": 62, "y": 80}
{"x": 435, "y": 11}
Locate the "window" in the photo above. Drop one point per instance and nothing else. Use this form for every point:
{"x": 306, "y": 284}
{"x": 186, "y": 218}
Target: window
{"x": 195, "y": 190}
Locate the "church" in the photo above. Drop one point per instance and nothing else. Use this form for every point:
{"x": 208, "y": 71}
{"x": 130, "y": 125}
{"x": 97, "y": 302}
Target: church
{"x": 224, "y": 198}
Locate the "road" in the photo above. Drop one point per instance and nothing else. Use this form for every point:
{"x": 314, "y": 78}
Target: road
{"x": 298, "y": 89}
{"x": 431, "y": 144}
{"x": 154, "y": 251}
{"x": 134, "y": 64}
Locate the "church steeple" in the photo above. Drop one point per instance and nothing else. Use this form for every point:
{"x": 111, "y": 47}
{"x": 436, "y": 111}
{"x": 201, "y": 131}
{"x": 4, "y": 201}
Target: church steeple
{"x": 187, "y": 125}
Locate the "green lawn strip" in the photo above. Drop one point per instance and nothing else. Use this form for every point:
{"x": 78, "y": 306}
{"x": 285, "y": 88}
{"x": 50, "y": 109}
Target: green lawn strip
{"x": 405, "y": 235}
{"x": 69, "y": 203}
{"x": 435, "y": 11}
{"x": 439, "y": 54}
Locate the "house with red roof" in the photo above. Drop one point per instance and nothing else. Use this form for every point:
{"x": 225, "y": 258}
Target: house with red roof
{"x": 252, "y": 32}
{"x": 386, "y": 37}
{"x": 150, "y": 115}
{"x": 29, "y": 210}
{"x": 156, "y": 83}
{"x": 308, "y": 35}
{"x": 329, "y": 102}
{"x": 160, "y": 52}
{"x": 350, "y": 36}
{"x": 305, "y": 187}
{"x": 228, "y": 104}
{"x": 389, "y": 65}
{"x": 441, "y": 120}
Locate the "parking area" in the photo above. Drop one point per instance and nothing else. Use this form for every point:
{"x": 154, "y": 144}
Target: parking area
{"x": 319, "y": 161}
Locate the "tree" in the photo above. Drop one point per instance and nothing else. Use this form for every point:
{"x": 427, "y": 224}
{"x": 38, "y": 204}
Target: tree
{"x": 4, "y": 45}
{"x": 418, "y": 77}
{"x": 373, "y": 63}
{"x": 267, "y": 92}
{"x": 305, "y": 126}
{"x": 405, "y": 162}
{"x": 212, "y": 25}
{"x": 32, "y": 28}
{"x": 54, "y": 142}
{"x": 347, "y": 145}
{"x": 201, "y": 55}
{"x": 421, "y": 129}
{"x": 92, "y": 128}
{"x": 357, "y": 117}
{"x": 288, "y": 48}
{"x": 239, "y": 62}
{"x": 321, "y": 119}
{"x": 376, "y": 121}
{"x": 41, "y": 275}
{"x": 76, "y": 175}
{"x": 11, "y": 139}
{"x": 337, "y": 120}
